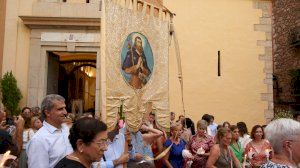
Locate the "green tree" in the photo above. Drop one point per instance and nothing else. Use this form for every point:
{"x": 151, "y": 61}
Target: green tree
{"x": 282, "y": 113}
{"x": 11, "y": 94}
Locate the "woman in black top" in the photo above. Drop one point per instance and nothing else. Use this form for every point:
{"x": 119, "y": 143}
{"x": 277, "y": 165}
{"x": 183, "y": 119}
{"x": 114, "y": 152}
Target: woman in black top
{"x": 88, "y": 138}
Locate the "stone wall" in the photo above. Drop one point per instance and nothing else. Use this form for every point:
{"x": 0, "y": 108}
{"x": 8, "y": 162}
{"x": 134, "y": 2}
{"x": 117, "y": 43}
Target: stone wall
{"x": 241, "y": 31}
{"x": 265, "y": 26}
{"x": 285, "y": 56}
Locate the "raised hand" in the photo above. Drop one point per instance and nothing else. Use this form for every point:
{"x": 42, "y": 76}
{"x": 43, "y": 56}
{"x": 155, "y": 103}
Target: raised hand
{"x": 124, "y": 158}
{"x": 144, "y": 127}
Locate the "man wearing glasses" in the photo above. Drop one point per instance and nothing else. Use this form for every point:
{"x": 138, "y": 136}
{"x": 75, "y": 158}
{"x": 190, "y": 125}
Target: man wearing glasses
{"x": 115, "y": 156}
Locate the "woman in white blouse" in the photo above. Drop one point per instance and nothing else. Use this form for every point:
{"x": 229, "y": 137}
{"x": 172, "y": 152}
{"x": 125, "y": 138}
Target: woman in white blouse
{"x": 27, "y": 135}
{"x": 244, "y": 136}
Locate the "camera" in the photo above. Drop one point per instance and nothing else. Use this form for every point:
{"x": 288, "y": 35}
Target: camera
{"x": 10, "y": 121}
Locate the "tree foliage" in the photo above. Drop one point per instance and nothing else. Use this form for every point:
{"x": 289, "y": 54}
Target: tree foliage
{"x": 11, "y": 94}
{"x": 282, "y": 113}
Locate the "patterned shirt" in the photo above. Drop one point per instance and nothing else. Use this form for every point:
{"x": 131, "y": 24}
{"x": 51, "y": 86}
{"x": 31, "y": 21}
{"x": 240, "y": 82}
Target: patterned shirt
{"x": 271, "y": 164}
{"x": 206, "y": 142}
{"x": 257, "y": 156}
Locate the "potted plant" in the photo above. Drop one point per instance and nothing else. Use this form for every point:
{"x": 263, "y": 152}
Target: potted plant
{"x": 282, "y": 113}
{"x": 11, "y": 94}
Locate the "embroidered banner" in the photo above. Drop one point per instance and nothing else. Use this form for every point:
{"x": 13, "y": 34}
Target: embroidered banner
{"x": 134, "y": 62}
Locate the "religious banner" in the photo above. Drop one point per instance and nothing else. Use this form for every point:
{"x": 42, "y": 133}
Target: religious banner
{"x": 134, "y": 62}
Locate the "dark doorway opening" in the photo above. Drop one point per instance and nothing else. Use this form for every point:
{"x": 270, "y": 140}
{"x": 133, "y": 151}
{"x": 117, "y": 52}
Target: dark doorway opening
{"x": 73, "y": 76}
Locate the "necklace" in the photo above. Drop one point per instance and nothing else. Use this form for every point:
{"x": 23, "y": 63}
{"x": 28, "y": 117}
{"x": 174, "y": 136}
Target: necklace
{"x": 75, "y": 158}
{"x": 224, "y": 152}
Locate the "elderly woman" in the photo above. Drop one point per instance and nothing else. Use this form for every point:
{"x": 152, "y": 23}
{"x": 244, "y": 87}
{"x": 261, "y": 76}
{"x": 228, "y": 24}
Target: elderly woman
{"x": 258, "y": 149}
{"x": 88, "y": 138}
{"x": 220, "y": 154}
{"x": 174, "y": 159}
{"x": 284, "y": 136}
{"x": 199, "y": 145}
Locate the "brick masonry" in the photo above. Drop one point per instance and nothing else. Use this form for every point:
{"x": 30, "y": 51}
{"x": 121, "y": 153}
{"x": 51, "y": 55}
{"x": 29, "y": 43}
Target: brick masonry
{"x": 265, "y": 25}
{"x": 286, "y": 17}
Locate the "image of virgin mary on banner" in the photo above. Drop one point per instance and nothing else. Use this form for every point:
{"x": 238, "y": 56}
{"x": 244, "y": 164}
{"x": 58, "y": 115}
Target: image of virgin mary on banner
{"x": 137, "y": 60}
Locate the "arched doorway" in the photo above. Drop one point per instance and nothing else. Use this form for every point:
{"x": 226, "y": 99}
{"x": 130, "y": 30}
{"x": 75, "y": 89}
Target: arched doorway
{"x": 76, "y": 79}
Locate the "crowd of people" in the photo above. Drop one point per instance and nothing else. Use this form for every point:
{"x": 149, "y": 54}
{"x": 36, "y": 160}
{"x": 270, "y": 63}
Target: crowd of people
{"x": 50, "y": 137}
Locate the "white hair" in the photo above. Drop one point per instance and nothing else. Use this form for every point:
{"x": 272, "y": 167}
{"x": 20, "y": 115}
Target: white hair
{"x": 280, "y": 130}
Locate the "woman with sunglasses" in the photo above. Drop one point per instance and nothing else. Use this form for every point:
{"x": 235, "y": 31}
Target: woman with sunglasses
{"x": 88, "y": 138}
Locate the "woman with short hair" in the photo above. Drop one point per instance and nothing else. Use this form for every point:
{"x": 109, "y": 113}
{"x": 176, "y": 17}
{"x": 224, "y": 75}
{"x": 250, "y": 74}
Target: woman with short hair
{"x": 220, "y": 154}
{"x": 284, "y": 136}
{"x": 258, "y": 149}
{"x": 88, "y": 137}
{"x": 174, "y": 159}
{"x": 199, "y": 145}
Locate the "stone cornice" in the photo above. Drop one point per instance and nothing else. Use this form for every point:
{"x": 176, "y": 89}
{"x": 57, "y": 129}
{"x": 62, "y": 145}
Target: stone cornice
{"x": 37, "y": 22}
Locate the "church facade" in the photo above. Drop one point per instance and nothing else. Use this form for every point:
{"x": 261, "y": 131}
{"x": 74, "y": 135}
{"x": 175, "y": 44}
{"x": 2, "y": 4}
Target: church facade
{"x": 226, "y": 52}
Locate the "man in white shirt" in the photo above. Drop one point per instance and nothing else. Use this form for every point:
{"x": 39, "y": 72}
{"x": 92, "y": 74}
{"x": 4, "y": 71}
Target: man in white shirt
{"x": 213, "y": 126}
{"x": 115, "y": 156}
{"x": 50, "y": 143}
{"x": 211, "y": 129}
